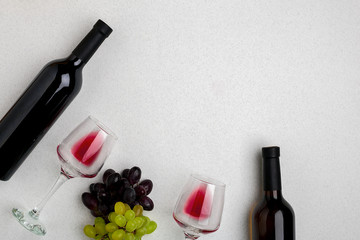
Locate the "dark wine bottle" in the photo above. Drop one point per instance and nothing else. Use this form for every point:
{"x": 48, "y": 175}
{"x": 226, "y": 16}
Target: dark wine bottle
{"x": 43, "y": 101}
{"x": 273, "y": 218}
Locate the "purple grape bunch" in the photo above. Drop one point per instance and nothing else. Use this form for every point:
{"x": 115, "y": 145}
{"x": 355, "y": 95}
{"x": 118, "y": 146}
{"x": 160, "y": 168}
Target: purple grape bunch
{"x": 115, "y": 187}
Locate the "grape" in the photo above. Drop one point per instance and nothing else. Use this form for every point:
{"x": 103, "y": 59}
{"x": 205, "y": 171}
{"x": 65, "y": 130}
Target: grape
{"x": 125, "y": 183}
{"x": 90, "y": 231}
{"x": 96, "y": 213}
{"x": 129, "y": 195}
{"x": 125, "y": 173}
{"x": 120, "y": 208}
{"x": 100, "y": 228}
{"x": 151, "y": 227}
{"x": 139, "y": 222}
{"x": 138, "y": 209}
{"x": 111, "y": 227}
{"x": 99, "y": 187}
{"x": 104, "y": 209}
{"x": 109, "y": 203}
{"x": 134, "y": 175}
{"x": 112, "y": 181}
{"x": 147, "y": 203}
{"x": 127, "y": 207}
{"x": 117, "y": 190}
{"x": 131, "y": 225}
{"x": 89, "y": 201}
{"x": 147, "y": 220}
{"x": 140, "y": 191}
{"x": 109, "y": 236}
{"x": 112, "y": 217}
{"x": 148, "y": 185}
{"x": 130, "y": 215}
{"x": 92, "y": 189}
{"x": 120, "y": 220}
{"x": 118, "y": 234}
{"x": 99, "y": 219}
{"x": 129, "y": 236}
{"x": 103, "y": 196}
{"x": 115, "y": 194}
{"x": 107, "y": 173}
{"x": 140, "y": 231}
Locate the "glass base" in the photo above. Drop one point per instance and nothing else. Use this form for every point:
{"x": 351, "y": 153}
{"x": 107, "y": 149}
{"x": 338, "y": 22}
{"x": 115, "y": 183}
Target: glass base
{"x": 29, "y": 222}
{"x": 190, "y": 236}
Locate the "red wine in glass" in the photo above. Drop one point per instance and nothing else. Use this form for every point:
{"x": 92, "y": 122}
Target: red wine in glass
{"x": 88, "y": 148}
{"x": 199, "y": 207}
{"x": 82, "y": 154}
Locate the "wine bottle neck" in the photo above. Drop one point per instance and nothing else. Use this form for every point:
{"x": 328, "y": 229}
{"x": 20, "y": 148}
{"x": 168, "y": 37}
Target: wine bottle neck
{"x": 75, "y": 61}
{"x": 271, "y": 174}
{"x": 269, "y": 195}
{"x": 92, "y": 41}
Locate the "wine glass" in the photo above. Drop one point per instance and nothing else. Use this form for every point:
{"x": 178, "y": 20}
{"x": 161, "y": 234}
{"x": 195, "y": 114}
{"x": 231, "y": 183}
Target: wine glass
{"x": 82, "y": 154}
{"x": 200, "y": 205}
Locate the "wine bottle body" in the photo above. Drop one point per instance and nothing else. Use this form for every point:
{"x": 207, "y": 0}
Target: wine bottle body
{"x": 273, "y": 219}
{"x": 36, "y": 110}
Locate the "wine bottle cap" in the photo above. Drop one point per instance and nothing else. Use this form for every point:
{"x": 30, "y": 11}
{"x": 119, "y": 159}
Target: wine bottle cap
{"x": 271, "y": 152}
{"x": 92, "y": 41}
{"x": 103, "y": 28}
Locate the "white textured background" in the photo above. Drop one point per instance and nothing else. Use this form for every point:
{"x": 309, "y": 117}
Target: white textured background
{"x": 198, "y": 86}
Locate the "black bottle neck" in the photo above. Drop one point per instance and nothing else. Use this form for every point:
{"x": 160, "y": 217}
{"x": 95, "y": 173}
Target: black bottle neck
{"x": 271, "y": 195}
{"x": 271, "y": 174}
{"x": 75, "y": 62}
{"x": 92, "y": 41}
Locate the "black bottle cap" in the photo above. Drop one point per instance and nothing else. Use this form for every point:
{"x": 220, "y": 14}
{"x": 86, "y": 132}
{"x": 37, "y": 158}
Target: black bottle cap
{"x": 103, "y": 28}
{"x": 92, "y": 41}
{"x": 271, "y": 152}
{"x": 271, "y": 168}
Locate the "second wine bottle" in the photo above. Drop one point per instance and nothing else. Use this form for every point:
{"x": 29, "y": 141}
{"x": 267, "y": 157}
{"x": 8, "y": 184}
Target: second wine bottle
{"x": 272, "y": 218}
{"x": 43, "y": 101}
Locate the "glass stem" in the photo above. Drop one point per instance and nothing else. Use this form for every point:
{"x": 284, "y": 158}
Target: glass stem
{"x": 190, "y": 236}
{"x": 35, "y": 212}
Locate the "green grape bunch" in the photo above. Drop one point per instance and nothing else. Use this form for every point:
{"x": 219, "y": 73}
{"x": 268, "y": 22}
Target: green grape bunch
{"x": 123, "y": 223}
